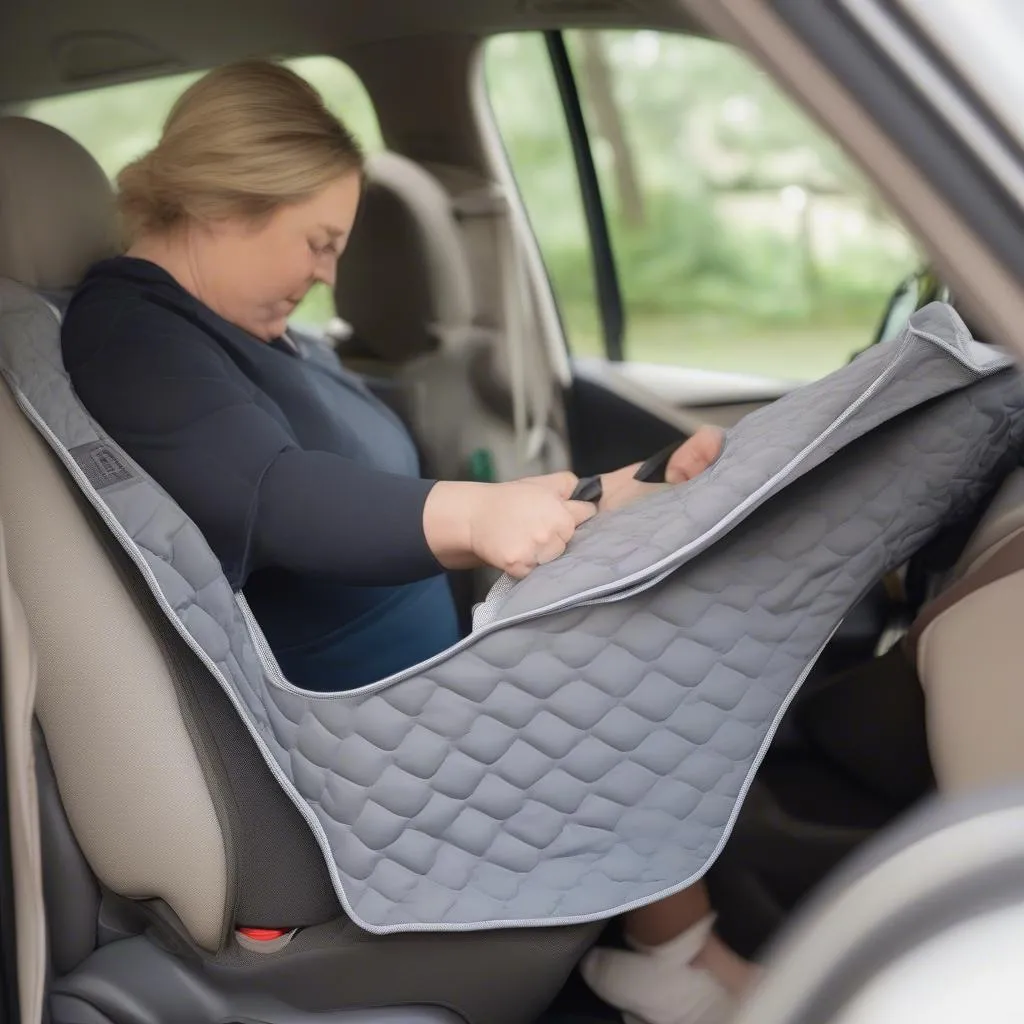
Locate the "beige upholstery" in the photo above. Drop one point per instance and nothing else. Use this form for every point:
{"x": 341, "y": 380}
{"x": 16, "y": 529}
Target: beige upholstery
{"x": 18, "y": 671}
{"x": 128, "y": 772}
{"x": 1003, "y": 519}
{"x": 406, "y": 286}
{"x": 131, "y": 782}
{"x": 404, "y": 281}
{"x": 972, "y": 671}
{"x": 969, "y": 657}
{"x": 55, "y": 206}
{"x": 168, "y": 797}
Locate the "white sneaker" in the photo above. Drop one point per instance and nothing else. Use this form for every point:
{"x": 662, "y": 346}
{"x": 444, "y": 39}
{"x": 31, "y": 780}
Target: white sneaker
{"x": 659, "y": 985}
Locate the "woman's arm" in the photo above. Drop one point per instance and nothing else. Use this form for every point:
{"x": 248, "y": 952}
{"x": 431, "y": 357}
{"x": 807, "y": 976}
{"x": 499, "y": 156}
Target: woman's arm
{"x": 689, "y": 459}
{"x": 225, "y": 453}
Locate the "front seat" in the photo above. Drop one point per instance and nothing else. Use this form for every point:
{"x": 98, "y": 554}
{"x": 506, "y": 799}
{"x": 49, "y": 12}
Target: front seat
{"x": 181, "y": 883}
{"x": 407, "y": 290}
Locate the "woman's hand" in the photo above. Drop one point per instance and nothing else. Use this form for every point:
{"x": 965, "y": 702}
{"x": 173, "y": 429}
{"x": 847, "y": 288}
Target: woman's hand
{"x": 690, "y": 459}
{"x": 695, "y": 454}
{"x": 513, "y": 527}
{"x": 619, "y": 488}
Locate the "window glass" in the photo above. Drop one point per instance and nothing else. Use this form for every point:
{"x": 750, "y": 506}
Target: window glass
{"x": 743, "y": 238}
{"x": 121, "y": 122}
{"x": 524, "y": 97}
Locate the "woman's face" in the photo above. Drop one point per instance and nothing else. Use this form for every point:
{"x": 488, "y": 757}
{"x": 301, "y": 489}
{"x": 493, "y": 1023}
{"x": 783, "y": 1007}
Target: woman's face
{"x": 255, "y": 275}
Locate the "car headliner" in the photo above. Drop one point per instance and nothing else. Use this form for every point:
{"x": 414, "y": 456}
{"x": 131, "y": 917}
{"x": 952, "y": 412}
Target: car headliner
{"x": 49, "y": 47}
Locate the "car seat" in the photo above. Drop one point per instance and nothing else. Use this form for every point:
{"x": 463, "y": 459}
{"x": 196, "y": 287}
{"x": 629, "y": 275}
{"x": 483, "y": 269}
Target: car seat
{"x": 479, "y": 395}
{"x": 181, "y": 884}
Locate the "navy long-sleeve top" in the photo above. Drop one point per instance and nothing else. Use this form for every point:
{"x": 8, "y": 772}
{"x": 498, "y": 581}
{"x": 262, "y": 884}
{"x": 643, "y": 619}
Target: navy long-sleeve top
{"x": 305, "y": 485}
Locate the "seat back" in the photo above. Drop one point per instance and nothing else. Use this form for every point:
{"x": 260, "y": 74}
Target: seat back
{"x": 165, "y": 794}
{"x": 405, "y": 244}
{"x": 157, "y": 809}
{"x": 1003, "y": 520}
{"x": 966, "y": 649}
{"x": 474, "y": 387}
{"x": 127, "y": 768}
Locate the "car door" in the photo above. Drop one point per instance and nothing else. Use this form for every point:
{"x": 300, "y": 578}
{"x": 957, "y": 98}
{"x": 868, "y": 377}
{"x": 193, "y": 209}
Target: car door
{"x": 709, "y": 247}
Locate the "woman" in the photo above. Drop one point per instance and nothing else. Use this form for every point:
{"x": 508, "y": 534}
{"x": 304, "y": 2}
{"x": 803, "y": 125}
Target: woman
{"x": 305, "y": 486}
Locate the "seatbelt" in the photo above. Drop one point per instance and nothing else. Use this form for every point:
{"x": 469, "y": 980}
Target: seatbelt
{"x": 531, "y": 398}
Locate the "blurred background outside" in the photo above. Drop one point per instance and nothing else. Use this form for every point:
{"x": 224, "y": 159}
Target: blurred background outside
{"x": 744, "y": 240}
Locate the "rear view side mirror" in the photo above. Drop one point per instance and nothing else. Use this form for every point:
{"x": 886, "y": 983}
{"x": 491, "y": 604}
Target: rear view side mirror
{"x": 910, "y": 294}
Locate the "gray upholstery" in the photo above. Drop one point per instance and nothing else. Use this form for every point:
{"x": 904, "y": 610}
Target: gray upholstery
{"x": 155, "y": 777}
{"x": 56, "y": 206}
{"x": 404, "y": 281}
{"x": 588, "y": 747}
{"x": 118, "y": 777}
{"x": 171, "y": 799}
{"x": 166, "y": 794}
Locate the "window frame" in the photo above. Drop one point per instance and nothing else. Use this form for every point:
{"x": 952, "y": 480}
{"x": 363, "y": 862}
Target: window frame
{"x": 898, "y": 107}
{"x": 610, "y": 305}
{"x": 611, "y": 309}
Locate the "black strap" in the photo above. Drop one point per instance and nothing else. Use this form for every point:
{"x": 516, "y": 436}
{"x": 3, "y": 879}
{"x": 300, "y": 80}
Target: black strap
{"x": 653, "y": 470}
{"x": 590, "y": 488}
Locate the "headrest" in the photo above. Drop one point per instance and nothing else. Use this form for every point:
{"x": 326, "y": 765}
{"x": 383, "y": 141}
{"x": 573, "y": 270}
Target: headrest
{"x": 404, "y": 274}
{"x": 56, "y": 206}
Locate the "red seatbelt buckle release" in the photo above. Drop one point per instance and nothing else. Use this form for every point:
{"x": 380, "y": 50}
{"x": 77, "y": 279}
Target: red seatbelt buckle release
{"x": 264, "y": 940}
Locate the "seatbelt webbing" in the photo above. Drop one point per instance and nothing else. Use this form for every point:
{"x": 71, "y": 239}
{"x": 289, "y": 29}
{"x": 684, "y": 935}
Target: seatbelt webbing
{"x": 530, "y": 386}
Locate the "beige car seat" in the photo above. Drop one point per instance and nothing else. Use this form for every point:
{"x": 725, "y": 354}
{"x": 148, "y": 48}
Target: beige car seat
{"x": 166, "y": 839}
{"x": 475, "y": 388}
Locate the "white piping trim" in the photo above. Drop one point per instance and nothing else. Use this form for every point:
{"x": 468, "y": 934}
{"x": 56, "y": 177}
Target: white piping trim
{"x": 634, "y": 583}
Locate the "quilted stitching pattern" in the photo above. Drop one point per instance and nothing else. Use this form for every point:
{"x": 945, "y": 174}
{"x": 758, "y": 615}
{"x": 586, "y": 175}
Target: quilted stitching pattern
{"x": 757, "y": 449}
{"x": 565, "y": 766}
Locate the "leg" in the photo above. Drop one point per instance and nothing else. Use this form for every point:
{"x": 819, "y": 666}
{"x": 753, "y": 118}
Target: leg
{"x": 658, "y": 922}
{"x": 870, "y": 722}
{"x": 677, "y": 971}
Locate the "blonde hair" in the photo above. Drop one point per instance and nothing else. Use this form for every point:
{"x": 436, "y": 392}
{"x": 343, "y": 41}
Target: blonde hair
{"x": 243, "y": 140}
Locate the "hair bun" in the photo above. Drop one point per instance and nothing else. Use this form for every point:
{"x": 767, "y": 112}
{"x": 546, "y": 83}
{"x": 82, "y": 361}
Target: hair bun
{"x": 239, "y": 142}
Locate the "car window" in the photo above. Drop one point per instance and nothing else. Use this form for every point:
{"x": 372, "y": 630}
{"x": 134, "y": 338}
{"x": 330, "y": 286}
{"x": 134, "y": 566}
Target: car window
{"x": 121, "y": 122}
{"x": 742, "y": 239}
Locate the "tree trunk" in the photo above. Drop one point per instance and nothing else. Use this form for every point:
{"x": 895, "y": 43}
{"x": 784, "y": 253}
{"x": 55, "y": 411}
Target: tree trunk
{"x": 597, "y": 77}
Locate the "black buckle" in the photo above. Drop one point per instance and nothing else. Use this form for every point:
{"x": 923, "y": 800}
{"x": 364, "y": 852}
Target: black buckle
{"x": 590, "y": 488}
{"x": 653, "y": 470}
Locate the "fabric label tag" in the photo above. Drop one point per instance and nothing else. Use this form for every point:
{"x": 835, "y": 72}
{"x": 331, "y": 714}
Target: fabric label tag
{"x": 102, "y": 464}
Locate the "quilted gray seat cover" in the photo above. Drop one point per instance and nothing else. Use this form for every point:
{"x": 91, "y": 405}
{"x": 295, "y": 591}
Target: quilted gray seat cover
{"x": 586, "y": 750}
